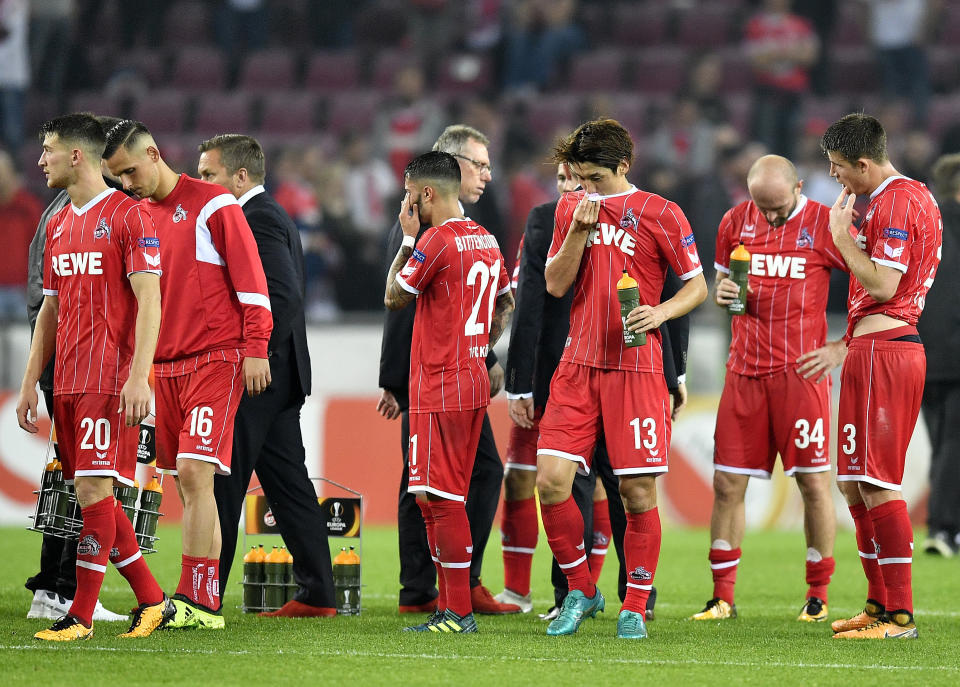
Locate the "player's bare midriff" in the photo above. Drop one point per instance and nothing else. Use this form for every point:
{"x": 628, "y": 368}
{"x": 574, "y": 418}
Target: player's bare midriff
{"x": 876, "y": 322}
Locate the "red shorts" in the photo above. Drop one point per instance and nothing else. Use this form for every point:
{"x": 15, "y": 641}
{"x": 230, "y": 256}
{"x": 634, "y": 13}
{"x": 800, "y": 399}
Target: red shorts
{"x": 630, "y": 409}
{"x": 760, "y": 417}
{"x": 93, "y": 439}
{"x": 442, "y": 449}
{"x": 881, "y": 385}
{"x": 195, "y": 415}
{"x": 522, "y": 446}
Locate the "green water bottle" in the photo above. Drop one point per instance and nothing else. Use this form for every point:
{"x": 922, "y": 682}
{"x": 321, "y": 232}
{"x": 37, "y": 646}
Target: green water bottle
{"x": 127, "y": 496}
{"x": 274, "y": 569}
{"x": 253, "y": 579}
{"x": 148, "y": 514}
{"x": 739, "y": 273}
{"x": 629, "y": 296}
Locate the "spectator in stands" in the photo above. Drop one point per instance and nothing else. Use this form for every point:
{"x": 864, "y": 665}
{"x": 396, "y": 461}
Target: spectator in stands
{"x": 782, "y": 47}
{"x": 15, "y": 71}
{"x": 917, "y": 156}
{"x": 684, "y": 139}
{"x": 369, "y": 186}
{"x": 50, "y": 35}
{"x": 409, "y": 122}
{"x": 141, "y": 22}
{"x": 241, "y": 27}
{"x": 899, "y": 30}
{"x": 19, "y": 212}
{"x": 940, "y": 330}
{"x": 539, "y": 35}
{"x": 705, "y": 86}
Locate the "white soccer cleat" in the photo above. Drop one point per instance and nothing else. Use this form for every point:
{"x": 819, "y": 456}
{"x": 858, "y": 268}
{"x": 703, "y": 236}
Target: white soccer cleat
{"x": 47, "y": 604}
{"x": 508, "y": 596}
{"x": 101, "y": 613}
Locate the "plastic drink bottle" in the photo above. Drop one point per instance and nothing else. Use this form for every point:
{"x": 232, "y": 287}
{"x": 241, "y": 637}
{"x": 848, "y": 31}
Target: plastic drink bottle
{"x": 739, "y": 273}
{"x": 629, "y": 296}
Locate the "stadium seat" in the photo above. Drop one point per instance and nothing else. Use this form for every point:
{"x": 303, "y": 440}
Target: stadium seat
{"x": 464, "y": 73}
{"x": 949, "y": 25}
{"x": 386, "y": 65}
{"x": 162, "y": 111}
{"x": 352, "y": 111}
{"x": 187, "y": 23}
{"x": 273, "y": 69}
{"x": 737, "y": 73}
{"x": 944, "y": 112}
{"x": 221, "y": 113}
{"x": 640, "y": 25}
{"x": 853, "y": 70}
{"x": 849, "y": 25}
{"x": 96, "y": 102}
{"x": 332, "y": 71}
{"x": 705, "y": 27}
{"x": 289, "y": 113}
{"x": 546, "y": 114}
{"x": 661, "y": 70}
{"x": 600, "y": 70}
{"x": 199, "y": 69}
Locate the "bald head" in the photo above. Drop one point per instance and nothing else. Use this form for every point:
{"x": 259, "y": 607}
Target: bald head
{"x": 774, "y": 187}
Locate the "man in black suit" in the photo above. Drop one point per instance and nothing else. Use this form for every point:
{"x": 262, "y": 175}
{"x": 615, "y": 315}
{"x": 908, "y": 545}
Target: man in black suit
{"x": 418, "y": 592}
{"x": 267, "y": 430}
{"x": 537, "y": 340}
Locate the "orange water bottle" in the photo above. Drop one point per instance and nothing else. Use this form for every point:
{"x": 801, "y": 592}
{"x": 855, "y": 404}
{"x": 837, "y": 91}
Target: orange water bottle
{"x": 148, "y": 514}
{"x": 253, "y": 578}
{"x": 629, "y": 295}
{"x": 274, "y": 567}
{"x": 739, "y": 273}
{"x": 290, "y": 586}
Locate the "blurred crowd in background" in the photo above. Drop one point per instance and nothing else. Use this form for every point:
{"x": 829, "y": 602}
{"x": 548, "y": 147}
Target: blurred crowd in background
{"x": 342, "y": 93}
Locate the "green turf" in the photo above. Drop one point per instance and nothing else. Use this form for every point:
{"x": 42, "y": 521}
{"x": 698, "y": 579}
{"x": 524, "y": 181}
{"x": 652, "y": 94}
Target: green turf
{"x": 764, "y": 645}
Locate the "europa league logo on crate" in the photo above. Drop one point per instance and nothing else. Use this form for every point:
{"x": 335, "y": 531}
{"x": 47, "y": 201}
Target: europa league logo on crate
{"x": 342, "y": 516}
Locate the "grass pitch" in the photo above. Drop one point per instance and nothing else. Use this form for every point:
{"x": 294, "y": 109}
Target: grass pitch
{"x": 764, "y": 645}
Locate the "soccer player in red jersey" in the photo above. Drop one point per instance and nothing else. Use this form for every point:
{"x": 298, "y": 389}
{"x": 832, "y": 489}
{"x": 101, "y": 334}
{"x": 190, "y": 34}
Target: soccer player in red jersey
{"x": 893, "y": 260}
{"x": 212, "y": 346}
{"x": 101, "y": 309}
{"x": 776, "y": 396}
{"x": 458, "y": 277}
{"x": 600, "y": 385}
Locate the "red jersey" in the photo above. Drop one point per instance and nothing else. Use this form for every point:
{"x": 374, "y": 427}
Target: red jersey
{"x": 215, "y": 302}
{"x": 515, "y": 277}
{"x": 903, "y": 230}
{"x": 774, "y": 31}
{"x": 457, "y": 272}
{"x": 790, "y": 276}
{"x": 641, "y": 233}
{"x": 87, "y": 260}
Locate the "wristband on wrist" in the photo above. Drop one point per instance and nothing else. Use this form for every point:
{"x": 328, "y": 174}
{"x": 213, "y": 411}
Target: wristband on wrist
{"x": 408, "y": 242}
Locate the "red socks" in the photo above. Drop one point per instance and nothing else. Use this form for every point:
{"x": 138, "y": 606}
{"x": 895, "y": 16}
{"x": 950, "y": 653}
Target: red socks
{"x": 126, "y": 558}
{"x": 519, "y": 529}
{"x": 454, "y": 549}
{"x": 894, "y": 537}
{"x": 863, "y": 522}
{"x": 93, "y": 553}
{"x": 723, "y": 566}
{"x": 818, "y": 577}
{"x": 601, "y": 538}
{"x": 193, "y": 572}
{"x": 641, "y": 549}
{"x": 431, "y": 525}
{"x": 564, "y": 527}
{"x": 213, "y": 584}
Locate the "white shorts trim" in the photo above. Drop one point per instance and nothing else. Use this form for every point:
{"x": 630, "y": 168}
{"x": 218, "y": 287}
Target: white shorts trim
{"x": 641, "y": 471}
{"x": 91, "y": 566}
{"x": 221, "y": 468}
{"x": 750, "y": 472}
{"x": 565, "y": 566}
{"x": 104, "y": 473}
{"x": 807, "y": 470}
{"x": 562, "y": 455}
{"x": 869, "y": 480}
{"x": 430, "y": 490}
{"x": 127, "y": 561}
{"x": 520, "y": 466}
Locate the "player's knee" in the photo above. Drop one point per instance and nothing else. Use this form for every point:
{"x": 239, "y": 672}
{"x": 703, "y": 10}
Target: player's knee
{"x": 195, "y": 476}
{"x": 728, "y": 489}
{"x": 519, "y": 484}
{"x": 91, "y": 490}
{"x": 639, "y": 493}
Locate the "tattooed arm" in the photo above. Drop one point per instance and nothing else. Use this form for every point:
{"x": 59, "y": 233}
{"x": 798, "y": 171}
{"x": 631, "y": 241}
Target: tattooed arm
{"x": 501, "y": 315}
{"x": 395, "y": 297}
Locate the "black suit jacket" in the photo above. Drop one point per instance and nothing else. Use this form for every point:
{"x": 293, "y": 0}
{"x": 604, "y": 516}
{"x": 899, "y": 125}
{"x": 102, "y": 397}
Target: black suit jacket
{"x": 541, "y": 322}
{"x": 281, "y": 253}
{"x": 398, "y": 332}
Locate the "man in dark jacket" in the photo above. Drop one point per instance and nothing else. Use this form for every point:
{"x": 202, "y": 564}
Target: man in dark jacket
{"x": 267, "y": 430}
{"x": 939, "y": 327}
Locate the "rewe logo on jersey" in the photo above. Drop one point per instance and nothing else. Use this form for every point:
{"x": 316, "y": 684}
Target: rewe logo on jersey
{"x": 67, "y": 264}
{"x": 102, "y": 229}
{"x": 778, "y": 266}
{"x": 179, "y": 214}
{"x": 609, "y": 235}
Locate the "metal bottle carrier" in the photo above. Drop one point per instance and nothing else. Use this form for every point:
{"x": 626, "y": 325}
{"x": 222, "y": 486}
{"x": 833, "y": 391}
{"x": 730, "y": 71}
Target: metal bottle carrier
{"x": 57, "y": 512}
{"x": 343, "y": 516}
